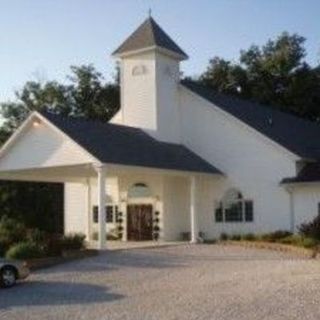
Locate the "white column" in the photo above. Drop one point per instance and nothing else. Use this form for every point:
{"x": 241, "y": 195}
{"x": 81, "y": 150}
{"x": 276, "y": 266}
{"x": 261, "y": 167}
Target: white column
{"x": 122, "y": 197}
{"x": 101, "y": 189}
{"x": 89, "y": 210}
{"x": 124, "y": 223}
{"x": 193, "y": 214}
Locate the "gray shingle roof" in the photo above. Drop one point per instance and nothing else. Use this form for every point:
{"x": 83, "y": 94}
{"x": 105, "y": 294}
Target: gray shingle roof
{"x": 118, "y": 144}
{"x": 149, "y": 34}
{"x": 300, "y": 136}
{"x": 310, "y": 173}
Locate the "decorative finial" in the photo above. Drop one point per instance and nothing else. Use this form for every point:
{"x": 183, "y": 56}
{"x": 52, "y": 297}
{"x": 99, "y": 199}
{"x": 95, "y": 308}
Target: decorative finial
{"x": 149, "y": 12}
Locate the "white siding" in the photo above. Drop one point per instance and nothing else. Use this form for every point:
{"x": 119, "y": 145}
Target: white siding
{"x": 138, "y": 92}
{"x": 117, "y": 118}
{"x": 305, "y": 202}
{"x": 75, "y": 208}
{"x": 40, "y": 147}
{"x": 209, "y": 191}
{"x": 149, "y": 99}
{"x": 170, "y": 196}
{"x": 79, "y": 205}
{"x": 251, "y": 163}
{"x": 112, "y": 192}
{"x": 176, "y": 209}
{"x": 167, "y": 78}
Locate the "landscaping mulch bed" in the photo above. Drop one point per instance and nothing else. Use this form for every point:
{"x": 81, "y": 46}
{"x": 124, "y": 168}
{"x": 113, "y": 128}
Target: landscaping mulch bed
{"x": 35, "y": 264}
{"x": 310, "y": 253}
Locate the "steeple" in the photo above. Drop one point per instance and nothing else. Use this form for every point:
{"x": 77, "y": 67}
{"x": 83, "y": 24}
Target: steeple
{"x": 149, "y": 63}
{"x": 150, "y": 35}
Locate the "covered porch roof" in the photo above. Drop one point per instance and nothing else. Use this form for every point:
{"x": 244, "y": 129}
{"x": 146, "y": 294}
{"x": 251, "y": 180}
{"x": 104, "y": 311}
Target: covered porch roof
{"x": 49, "y": 147}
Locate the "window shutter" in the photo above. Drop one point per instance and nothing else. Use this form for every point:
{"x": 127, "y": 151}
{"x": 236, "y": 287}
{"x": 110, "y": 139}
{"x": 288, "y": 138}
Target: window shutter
{"x": 248, "y": 209}
{"x": 95, "y": 214}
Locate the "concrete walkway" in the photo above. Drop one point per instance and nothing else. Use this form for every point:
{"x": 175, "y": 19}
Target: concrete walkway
{"x": 184, "y": 282}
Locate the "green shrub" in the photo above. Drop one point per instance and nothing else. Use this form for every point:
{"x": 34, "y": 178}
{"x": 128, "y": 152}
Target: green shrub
{"x": 224, "y": 236}
{"x": 311, "y": 229}
{"x": 112, "y": 236}
{"x": 37, "y": 236}
{"x": 73, "y": 241}
{"x": 299, "y": 241}
{"x": 310, "y": 243}
{"x": 11, "y": 232}
{"x": 53, "y": 244}
{"x": 249, "y": 237}
{"x": 275, "y": 236}
{"x": 2, "y": 250}
{"x": 293, "y": 240}
{"x": 235, "y": 237}
{"x": 25, "y": 250}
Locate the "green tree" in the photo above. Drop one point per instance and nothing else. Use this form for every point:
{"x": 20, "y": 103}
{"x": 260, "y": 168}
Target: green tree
{"x": 224, "y": 76}
{"x": 38, "y": 205}
{"x": 84, "y": 95}
{"x": 275, "y": 74}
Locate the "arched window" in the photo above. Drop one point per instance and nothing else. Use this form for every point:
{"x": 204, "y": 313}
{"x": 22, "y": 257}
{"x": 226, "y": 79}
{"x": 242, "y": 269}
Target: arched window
{"x": 139, "y": 190}
{"x": 233, "y": 207}
{"x": 139, "y": 70}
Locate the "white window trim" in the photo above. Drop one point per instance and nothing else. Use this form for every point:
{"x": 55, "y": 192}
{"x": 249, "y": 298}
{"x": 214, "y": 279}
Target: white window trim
{"x": 242, "y": 201}
{"x": 113, "y": 204}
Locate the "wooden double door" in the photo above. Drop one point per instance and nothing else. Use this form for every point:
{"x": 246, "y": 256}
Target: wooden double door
{"x": 139, "y": 222}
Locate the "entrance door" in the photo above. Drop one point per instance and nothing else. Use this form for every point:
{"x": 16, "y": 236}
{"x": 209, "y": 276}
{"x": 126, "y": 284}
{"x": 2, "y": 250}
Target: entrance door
{"x": 139, "y": 222}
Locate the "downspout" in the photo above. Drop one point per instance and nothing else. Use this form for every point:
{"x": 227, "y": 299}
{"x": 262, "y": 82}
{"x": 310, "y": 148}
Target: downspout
{"x": 291, "y": 209}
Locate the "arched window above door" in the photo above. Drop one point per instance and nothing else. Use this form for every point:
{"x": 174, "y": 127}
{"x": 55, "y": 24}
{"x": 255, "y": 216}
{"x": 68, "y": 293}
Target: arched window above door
{"x": 139, "y": 190}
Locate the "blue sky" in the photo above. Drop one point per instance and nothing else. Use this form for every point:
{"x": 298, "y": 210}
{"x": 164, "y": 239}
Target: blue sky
{"x": 40, "y": 39}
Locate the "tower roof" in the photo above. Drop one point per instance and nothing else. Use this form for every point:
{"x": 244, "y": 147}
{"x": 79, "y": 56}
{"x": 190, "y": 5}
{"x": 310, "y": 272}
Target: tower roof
{"x": 149, "y": 34}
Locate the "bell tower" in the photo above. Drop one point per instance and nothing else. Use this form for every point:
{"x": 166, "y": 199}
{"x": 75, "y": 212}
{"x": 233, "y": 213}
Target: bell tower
{"x": 149, "y": 80}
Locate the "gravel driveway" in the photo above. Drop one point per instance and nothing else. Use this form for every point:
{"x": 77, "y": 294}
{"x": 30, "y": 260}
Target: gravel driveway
{"x": 181, "y": 282}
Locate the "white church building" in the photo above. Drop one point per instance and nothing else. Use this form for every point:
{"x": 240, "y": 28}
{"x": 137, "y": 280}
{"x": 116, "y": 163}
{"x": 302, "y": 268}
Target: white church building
{"x": 177, "y": 161}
